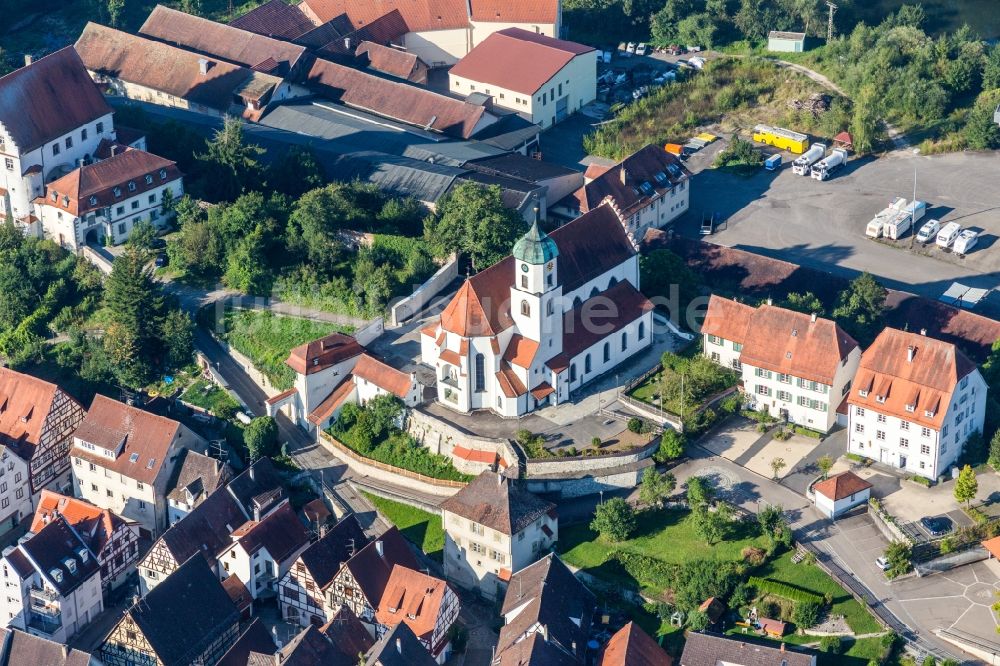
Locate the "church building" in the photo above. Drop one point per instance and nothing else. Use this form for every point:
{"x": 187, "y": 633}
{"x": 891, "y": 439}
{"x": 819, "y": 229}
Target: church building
{"x": 561, "y": 310}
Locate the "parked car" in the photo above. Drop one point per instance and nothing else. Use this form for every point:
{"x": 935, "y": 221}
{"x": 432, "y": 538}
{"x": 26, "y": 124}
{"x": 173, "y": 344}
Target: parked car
{"x": 966, "y": 241}
{"x": 928, "y": 231}
{"x": 162, "y": 260}
{"x": 607, "y": 57}
{"x": 882, "y": 563}
{"x": 630, "y": 50}
{"x": 937, "y": 525}
{"x": 641, "y": 50}
{"x": 621, "y": 49}
{"x": 158, "y": 244}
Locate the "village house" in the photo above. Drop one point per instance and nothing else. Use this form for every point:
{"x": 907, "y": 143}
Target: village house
{"x": 398, "y": 647}
{"x": 797, "y": 367}
{"x": 914, "y": 403}
{"x": 123, "y": 458}
{"x": 563, "y": 309}
{"x": 18, "y": 647}
{"x": 540, "y": 77}
{"x": 52, "y": 583}
{"x": 701, "y": 649}
{"x": 333, "y": 371}
{"x": 649, "y": 189}
{"x": 631, "y": 646}
{"x": 338, "y": 642}
{"x": 196, "y": 476}
{"x": 188, "y": 619}
{"x": 101, "y": 203}
{"x": 363, "y": 578}
{"x": 256, "y": 638}
{"x": 40, "y": 134}
{"x": 114, "y": 540}
{"x": 493, "y": 526}
{"x": 545, "y": 598}
{"x": 261, "y": 552}
{"x": 206, "y": 530}
{"x": 841, "y": 493}
{"x": 302, "y": 593}
{"x": 427, "y": 605}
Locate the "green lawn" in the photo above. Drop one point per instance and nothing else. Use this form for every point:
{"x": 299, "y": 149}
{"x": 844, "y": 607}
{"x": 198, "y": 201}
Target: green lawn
{"x": 421, "y": 527}
{"x": 811, "y": 577}
{"x": 664, "y": 535}
{"x": 205, "y": 394}
{"x": 266, "y": 339}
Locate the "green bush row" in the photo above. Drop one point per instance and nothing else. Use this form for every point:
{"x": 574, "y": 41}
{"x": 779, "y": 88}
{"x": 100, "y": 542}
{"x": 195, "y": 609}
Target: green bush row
{"x": 785, "y": 590}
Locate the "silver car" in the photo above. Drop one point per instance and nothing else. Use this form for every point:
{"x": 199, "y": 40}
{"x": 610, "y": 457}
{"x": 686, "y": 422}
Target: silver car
{"x": 928, "y": 231}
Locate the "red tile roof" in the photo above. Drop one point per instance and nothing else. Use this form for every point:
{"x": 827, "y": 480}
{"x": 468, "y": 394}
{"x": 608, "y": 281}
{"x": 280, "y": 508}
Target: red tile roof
{"x": 631, "y": 646}
{"x": 95, "y": 525}
{"x": 219, "y": 40}
{"x": 323, "y": 353}
{"x": 395, "y": 100}
{"x": 146, "y": 437}
{"x": 275, "y": 399}
{"x": 475, "y": 455}
{"x": 623, "y": 182}
{"x": 498, "y": 502}
{"x": 93, "y": 186}
{"x": 332, "y": 402}
{"x": 599, "y": 318}
{"x": 510, "y": 383}
{"x": 727, "y": 319}
{"x": 238, "y": 592}
{"x": 384, "y": 376}
{"x": 515, "y": 11}
{"x": 413, "y": 598}
{"x": 542, "y": 390}
{"x": 385, "y": 30}
{"x": 842, "y": 486}
{"x": 25, "y": 402}
{"x": 277, "y": 19}
{"x": 893, "y": 381}
{"x": 33, "y": 100}
{"x": 281, "y": 533}
{"x": 420, "y": 15}
{"x": 372, "y": 571}
{"x": 517, "y": 59}
{"x": 520, "y": 351}
{"x": 392, "y": 61}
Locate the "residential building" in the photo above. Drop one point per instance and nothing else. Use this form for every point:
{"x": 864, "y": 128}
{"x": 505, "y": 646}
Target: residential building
{"x": 631, "y": 646}
{"x": 37, "y": 421}
{"x": 123, "y": 458}
{"x": 40, "y": 134}
{"x": 440, "y": 32}
{"x": 798, "y": 367}
{"x": 121, "y": 63}
{"x": 540, "y": 77}
{"x": 188, "y": 620}
{"x": 15, "y": 488}
{"x": 534, "y": 650}
{"x": 114, "y": 540}
{"x": 391, "y": 61}
{"x": 545, "y": 598}
{"x": 649, "y": 189}
{"x": 563, "y": 309}
{"x": 52, "y": 583}
{"x": 338, "y": 642}
{"x": 427, "y": 605}
{"x": 302, "y": 593}
{"x": 841, "y": 493}
{"x": 701, "y": 649}
{"x": 196, "y": 476}
{"x": 255, "y": 639}
{"x": 206, "y": 529}
{"x": 398, "y": 647}
{"x": 262, "y": 552}
{"x": 18, "y": 647}
{"x": 100, "y": 203}
{"x": 333, "y": 371}
{"x": 363, "y": 578}
{"x": 914, "y": 403}
{"x": 493, "y": 526}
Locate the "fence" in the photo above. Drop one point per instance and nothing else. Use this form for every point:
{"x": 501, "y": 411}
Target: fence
{"x": 353, "y": 458}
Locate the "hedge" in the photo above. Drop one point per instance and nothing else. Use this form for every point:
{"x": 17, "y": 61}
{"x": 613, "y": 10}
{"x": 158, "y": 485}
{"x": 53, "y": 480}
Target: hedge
{"x": 785, "y": 590}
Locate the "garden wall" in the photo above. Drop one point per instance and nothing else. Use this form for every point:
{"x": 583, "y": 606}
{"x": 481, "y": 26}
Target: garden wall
{"x": 569, "y": 465}
{"x": 256, "y": 375}
{"x": 409, "y": 306}
{"x": 441, "y": 437}
{"x": 367, "y": 334}
{"x": 574, "y": 484}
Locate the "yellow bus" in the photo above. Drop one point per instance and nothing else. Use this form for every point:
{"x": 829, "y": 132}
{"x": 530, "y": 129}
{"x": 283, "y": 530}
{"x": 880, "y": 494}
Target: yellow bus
{"x": 781, "y": 138}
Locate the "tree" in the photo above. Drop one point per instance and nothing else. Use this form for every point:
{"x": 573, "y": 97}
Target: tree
{"x": 981, "y": 132}
{"x": 261, "y": 437}
{"x": 669, "y": 283}
{"x": 994, "y": 459}
{"x": 473, "y": 220}
{"x": 898, "y": 555}
{"x": 806, "y": 302}
{"x": 296, "y": 172}
{"x": 655, "y": 486}
{"x": 697, "y": 621}
{"x": 671, "y": 446}
{"x": 771, "y": 519}
{"x": 614, "y": 520}
{"x": 115, "y": 9}
{"x": 991, "y": 70}
{"x": 143, "y": 235}
{"x": 712, "y": 526}
{"x": 248, "y": 267}
{"x": 135, "y": 310}
{"x": 699, "y": 492}
{"x": 861, "y": 308}
{"x": 124, "y": 355}
{"x": 231, "y": 164}
{"x": 178, "y": 336}
{"x": 697, "y": 29}
{"x": 830, "y": 644}
{"x": 824, "y": 464}
{"x": 966, "y": 486}
{"x": 777, "y": 464}
{"x": 805, "y": 614}
{"x": 864, "y": 123}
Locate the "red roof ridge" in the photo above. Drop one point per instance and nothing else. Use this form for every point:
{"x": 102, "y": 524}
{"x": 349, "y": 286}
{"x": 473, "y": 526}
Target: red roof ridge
{"x": 841, "y": 485}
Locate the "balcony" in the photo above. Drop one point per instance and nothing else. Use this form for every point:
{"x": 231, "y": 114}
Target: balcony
{"x": 42, "y": 596}
{"x": 44, "y": 623}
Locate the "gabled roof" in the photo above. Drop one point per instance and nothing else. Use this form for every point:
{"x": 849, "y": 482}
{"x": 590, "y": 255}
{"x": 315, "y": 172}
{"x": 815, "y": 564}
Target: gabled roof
{"x": 386, "y": 29}
{"x": 324, "y": 558}
{"x": 196, "y": 476}
{"x": 145, "y": 438}
{"x": 394, "y": 99}
{"x": 498, "y": 502}
{"x": 130, "y": 173}
{"x": 520, "y": 351}
{"x": 534, "y": 651}
{"x": 412, "y": 597}
{"x": 25, "y": 402}
{"x": 895, "y": 377}
{"x": 332, "y": 402}
{"x": 399, "y": 647}
{"x": 371, "y": 569}
{"x": 517, "y": 59}
{"x": 255, "y": 638}
{"x": 599, "y": 317}
{"x": 18, "y": 647}
{"x": 633, "y": 182}
{"x": 702, "y": 649}
{"x": 60, "y": 556}
{"x": 33, "y": 100}
{"x": 515, "y": 11}
{"x": 391, "y": 61}
{"x": 94, "y": 524}
{"x": 323, "y": 353}
{"x": 727, "y": 319}
{"x": 219, "y": 40}
{"x": 842, "y": 486}
{"x": 631, "y": 646}
{"x": 384, "y": 376}
{"x": 420, "y": 15}
{"x": 281, "y": 533}
{"x": 257, "y": 488}
{"x": 275, "y": 18}
{"x": 337, "y": 643}
{"x": 185, "y": 613}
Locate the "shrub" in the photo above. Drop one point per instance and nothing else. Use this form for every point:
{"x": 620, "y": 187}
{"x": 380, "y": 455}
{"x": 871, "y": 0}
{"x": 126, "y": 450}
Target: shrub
{"x": 635, "y": 424}
{"x": 830, "y": 644}
{"x": 753, "y": 555}
{"x": 806, "y": 614}
{"x": 946, "y": 546}
{"x": 898, "y": 555}
{"x": 785, "y": 591}
{"x": 671, "y": 446}
{"x": 922, "y": 480}
{"x": 697, "y": 621}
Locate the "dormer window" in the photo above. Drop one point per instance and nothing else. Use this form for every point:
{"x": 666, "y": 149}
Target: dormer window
{"x": 929, "y": 413}
{"x": 70, "y": 565}
{"x": 880, "y": 399}
{"x": 863, "y": 393}
{"x": 163, "y": 174}
{"x": 57, "y": 575}
{"x": 93, "y": 201}
{"x": 149, "y": 179}
{"x": 131, "y": 186}
{"x": 911, "y": 408}
{"x": 117, "y": 192}
{"x": 55, "y": 195}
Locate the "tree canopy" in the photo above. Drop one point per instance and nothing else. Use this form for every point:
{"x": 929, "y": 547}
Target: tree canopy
{"x": 473, "y": 220}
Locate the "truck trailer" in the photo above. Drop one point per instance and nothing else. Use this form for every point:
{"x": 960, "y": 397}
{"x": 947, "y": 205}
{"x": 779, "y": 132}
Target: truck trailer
{"x": 802, "y": 163}
{"x": 822, "y": 169}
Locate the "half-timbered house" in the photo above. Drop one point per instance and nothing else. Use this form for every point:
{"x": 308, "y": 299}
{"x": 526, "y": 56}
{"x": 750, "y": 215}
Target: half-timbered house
{"x": 427, "y": 605}
{"x": 196, "y": 476}
{"x": 262, "y": 552}
{"x": 339, "y": 642}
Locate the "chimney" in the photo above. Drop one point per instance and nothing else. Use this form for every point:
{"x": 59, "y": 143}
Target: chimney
{"x": 769, "y": 301}
{"x": 203, "y": 66}
{"x": 347, "y": 43}
{"x": 251, "y": 473}
{"x": 623, "y": 175}
{"x": 28, "y": 59}
{"x": 909, "y": 353}
{"x": 923, "y": 331}
{"x": 813, "y": 318}
{"x": 399, "y": 646}
{"x": 782, "y": 646}
{"x": 499, "y": 478}
{"x": 380, "y": 548}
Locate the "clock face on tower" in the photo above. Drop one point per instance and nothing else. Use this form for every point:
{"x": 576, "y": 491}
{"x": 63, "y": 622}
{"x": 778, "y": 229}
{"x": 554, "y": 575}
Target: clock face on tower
{"x": 549, "y": 265}
{"x": 524, "y": 268}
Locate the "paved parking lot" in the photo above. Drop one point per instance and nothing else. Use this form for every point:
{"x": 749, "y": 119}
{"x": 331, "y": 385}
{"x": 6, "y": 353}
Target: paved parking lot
{"x": 822, "y": 224}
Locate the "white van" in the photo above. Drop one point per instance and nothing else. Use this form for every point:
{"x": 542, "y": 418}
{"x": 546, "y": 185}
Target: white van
{"x": 948, "y": 234}
{"x": 966, "y": 241}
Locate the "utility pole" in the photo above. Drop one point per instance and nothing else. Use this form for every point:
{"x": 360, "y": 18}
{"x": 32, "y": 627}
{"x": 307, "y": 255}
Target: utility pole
{"x": 829, "y": 24}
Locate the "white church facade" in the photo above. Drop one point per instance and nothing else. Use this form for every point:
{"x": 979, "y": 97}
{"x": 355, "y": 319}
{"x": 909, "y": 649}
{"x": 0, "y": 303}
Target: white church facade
{"x": 562, "y": 310}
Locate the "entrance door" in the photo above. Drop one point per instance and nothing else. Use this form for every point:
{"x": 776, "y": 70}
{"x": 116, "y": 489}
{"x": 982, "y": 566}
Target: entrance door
{"x": 902, "y": 461}
{"x": 562, "y": 108}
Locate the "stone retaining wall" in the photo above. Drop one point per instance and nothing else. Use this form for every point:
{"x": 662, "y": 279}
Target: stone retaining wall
{"x": 441, "y": 437}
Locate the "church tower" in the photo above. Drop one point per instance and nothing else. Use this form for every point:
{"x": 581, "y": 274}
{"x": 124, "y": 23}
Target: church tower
{"x": 536, "y": 294}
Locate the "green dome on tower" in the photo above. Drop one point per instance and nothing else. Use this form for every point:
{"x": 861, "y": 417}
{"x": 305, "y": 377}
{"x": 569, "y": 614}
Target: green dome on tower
{"x": 535, "y": 247}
